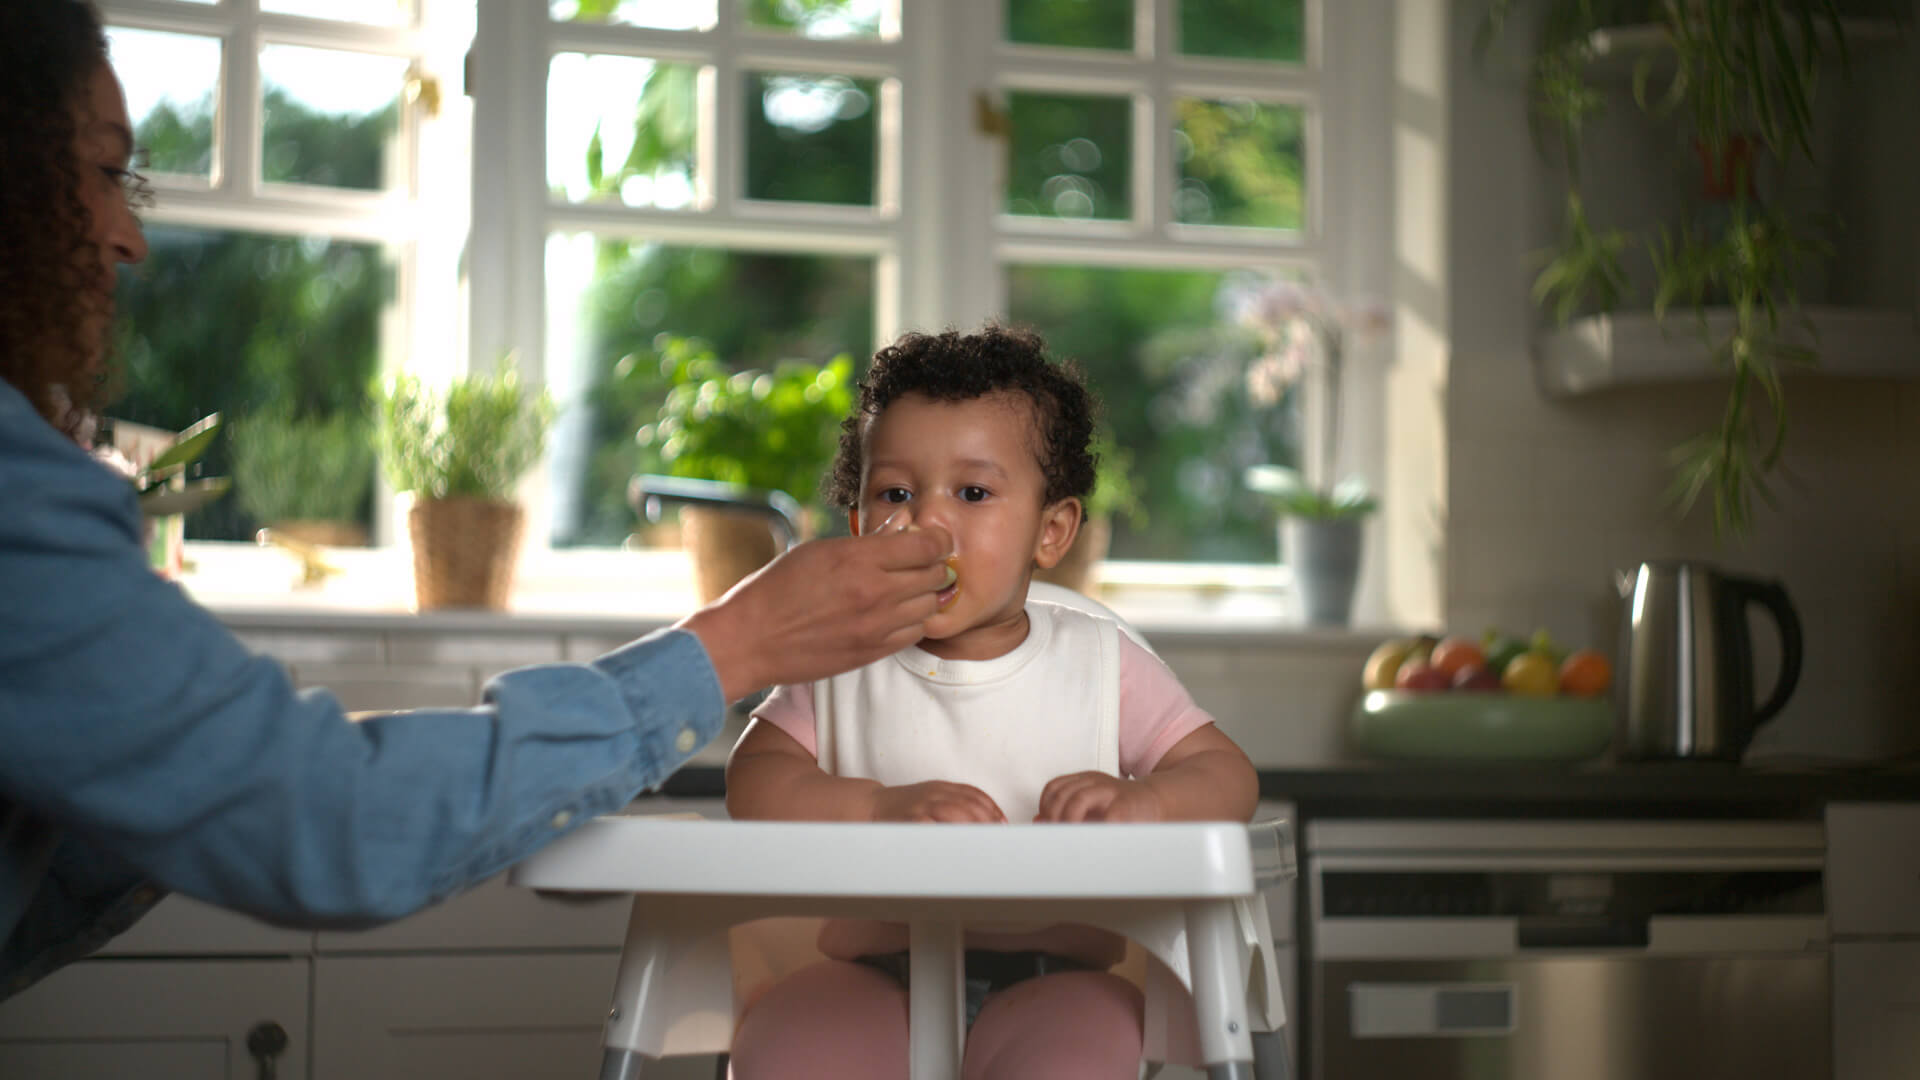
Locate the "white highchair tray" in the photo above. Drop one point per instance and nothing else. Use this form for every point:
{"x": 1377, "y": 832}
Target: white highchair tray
{"x": 687, "y": 855}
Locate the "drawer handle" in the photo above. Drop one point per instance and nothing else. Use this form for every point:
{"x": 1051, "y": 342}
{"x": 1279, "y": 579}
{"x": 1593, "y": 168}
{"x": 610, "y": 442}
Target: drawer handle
{"x": 266, "y": 1042}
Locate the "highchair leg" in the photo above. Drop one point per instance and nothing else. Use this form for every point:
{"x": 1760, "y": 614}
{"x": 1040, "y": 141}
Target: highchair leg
{"x": 1219, "y": 991}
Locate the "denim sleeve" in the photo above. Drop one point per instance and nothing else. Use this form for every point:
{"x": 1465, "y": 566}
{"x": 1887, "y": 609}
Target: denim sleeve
{"x": 131, "y": 718}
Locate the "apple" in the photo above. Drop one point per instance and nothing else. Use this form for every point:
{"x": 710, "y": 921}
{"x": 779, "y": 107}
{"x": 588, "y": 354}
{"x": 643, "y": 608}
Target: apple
{"x": 1476, "y": 677}
{"x": 1420, "y": 675}
{"x": 1455, "y": 654}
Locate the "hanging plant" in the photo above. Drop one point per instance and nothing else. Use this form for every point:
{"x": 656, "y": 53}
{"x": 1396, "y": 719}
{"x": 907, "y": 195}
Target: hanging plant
{"x": 1741, "y": 75}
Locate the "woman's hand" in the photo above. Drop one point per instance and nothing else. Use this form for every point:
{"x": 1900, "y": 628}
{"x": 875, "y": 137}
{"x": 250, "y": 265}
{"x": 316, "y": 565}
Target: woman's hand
{"x": 825, "y": 607}
{"x": 1096, "y": 796}
{"x": 936, "y": 800}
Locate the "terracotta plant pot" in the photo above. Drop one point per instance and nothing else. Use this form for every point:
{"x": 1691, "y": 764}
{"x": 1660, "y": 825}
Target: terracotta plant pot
{"x": 725, "y": 546}
{"x": 1080, "y": 569}
{"x": 463, "y": 552}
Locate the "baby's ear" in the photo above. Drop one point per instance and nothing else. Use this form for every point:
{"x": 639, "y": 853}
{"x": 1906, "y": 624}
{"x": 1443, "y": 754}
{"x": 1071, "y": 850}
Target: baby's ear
{"x": 1059, "y": 524}
{"x": 853, "y": 521}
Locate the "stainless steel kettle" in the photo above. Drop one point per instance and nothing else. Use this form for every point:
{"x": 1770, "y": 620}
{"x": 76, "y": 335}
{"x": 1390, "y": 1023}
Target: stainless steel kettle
{"x": 1686, "y": 661}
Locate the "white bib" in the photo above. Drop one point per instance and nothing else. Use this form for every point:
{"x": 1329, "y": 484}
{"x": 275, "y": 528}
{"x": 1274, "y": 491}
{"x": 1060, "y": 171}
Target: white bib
{"x": 1007, "y": 725}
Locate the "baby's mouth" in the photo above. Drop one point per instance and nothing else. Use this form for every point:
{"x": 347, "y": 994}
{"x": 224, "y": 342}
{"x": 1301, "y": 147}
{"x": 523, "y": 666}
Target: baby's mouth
{"x": 948, "y": 595}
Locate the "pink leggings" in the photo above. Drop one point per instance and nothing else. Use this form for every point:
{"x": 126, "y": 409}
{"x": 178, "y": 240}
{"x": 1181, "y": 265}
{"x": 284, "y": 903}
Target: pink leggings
{"x": 839, "y": 1020}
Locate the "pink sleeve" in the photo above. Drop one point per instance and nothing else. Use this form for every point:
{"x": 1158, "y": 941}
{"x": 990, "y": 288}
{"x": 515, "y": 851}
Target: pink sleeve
{"x": 790, "y": 708}
{"x": 1156, "y": 712}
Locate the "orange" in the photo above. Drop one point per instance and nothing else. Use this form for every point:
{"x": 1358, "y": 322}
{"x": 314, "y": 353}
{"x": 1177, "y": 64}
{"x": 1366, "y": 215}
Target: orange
{"x": 1585, "y": 673}
{"x": 1531, "y": 674}
{"x": 1456, "y": 654}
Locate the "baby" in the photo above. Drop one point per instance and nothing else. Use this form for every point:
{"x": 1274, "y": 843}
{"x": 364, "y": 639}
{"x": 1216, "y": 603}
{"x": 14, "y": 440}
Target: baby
{"x": 1009, "y": 710}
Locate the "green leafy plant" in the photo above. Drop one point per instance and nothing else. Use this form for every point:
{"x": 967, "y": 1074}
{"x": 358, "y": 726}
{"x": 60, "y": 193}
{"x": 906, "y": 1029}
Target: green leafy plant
{"x": 293, "y": 468}
{"x": 475, "y": 439}
{"x": 1114, "y": 495}
{"x": 774, "y": 430}
{"x": 1293, "y": 496}
{"x": 1740, "y": 76}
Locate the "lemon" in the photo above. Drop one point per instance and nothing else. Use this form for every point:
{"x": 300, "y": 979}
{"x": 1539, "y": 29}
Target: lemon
{"x": 1533, "y": 674}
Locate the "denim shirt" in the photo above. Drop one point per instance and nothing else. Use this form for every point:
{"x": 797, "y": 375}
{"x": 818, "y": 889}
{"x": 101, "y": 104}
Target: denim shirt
{"x": 144, "y": 749}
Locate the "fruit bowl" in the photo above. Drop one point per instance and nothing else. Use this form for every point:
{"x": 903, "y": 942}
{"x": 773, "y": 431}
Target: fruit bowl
{"x": 1467, "y": 726}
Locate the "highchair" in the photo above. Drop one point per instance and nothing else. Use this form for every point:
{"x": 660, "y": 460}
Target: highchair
{"x": 722, "y": 909}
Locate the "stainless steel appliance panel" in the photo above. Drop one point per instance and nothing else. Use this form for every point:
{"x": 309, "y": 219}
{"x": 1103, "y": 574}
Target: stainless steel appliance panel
{"x": 1576, "y": 1017}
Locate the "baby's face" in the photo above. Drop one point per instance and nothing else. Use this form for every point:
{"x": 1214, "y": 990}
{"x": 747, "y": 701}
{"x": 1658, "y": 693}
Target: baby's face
{"x": 969, "y": 467}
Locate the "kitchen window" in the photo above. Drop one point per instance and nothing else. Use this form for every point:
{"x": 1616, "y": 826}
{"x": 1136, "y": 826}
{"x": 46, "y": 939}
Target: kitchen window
{"x": 300, "y": 240}
{"x": 806, "y": 179}
{"x": 777, "y": 178}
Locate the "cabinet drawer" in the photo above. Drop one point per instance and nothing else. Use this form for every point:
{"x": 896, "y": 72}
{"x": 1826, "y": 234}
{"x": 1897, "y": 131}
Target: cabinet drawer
{"x": 1873, "y": 869}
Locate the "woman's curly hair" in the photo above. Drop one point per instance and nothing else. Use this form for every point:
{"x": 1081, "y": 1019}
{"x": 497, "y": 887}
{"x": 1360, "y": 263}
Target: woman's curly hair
{"x": 48, "y": 263}
{"x": 960, "y": 367}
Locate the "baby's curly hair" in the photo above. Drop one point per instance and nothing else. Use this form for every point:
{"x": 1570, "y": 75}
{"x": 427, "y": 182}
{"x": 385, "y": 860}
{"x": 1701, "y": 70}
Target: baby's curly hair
{"x": 952, "y": 366}
{"x": 48, "y": 51}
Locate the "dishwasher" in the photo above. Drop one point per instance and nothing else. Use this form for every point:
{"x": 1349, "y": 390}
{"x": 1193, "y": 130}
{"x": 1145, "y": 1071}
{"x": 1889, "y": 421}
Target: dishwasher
{"x": 1579, "y": 950}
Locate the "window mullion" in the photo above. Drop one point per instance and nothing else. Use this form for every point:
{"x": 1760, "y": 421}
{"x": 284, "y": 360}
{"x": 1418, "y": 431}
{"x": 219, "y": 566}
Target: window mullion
{"x": 241, "y": 111}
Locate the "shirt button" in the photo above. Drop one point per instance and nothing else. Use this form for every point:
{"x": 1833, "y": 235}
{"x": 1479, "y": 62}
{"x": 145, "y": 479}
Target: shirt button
{"x": 561, "y": 819}
{"x": 686, "y": 741}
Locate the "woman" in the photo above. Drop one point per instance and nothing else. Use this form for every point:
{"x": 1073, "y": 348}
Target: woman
{"x": 143, "y": 749}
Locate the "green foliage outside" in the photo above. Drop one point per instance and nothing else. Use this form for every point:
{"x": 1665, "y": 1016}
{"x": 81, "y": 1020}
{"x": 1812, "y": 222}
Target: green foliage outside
{"x": 290, "y": 468}
{"x": 772, "y": 430}
{"x": 238, "y": 322}
{"x": 475, "y": 439}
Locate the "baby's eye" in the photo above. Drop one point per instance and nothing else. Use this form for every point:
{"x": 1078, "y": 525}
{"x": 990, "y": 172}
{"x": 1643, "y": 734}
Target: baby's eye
{"x": 973, "y": 493}
{"x": 894, "y": 495}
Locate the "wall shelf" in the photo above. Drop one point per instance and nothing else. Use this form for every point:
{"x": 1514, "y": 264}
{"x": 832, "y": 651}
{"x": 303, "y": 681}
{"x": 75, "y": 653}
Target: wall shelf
{"x": 1602, "y": 352}
{"x": 1617, "y": 50}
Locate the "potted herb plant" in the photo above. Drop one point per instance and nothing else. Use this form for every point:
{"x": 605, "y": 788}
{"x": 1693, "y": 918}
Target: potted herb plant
{"x": 1321, "y": 520}
{"x": 763, "y": 430}
{"x": 305, "y": 478}
{"x": 460, "y": 452}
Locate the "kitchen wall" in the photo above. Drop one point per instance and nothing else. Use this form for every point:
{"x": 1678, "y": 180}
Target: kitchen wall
{"x": 1543, "y": 499}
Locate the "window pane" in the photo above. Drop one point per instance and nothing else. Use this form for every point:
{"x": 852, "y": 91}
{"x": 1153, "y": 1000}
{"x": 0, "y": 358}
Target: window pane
{"x": 653, "y": 14}
{"x": 616, "y": 305}
{"x": 376, "y": 12}
{"x": 238, "y": 323}
{"x": 1078, "y": 24}
{"x": 818, "y": 19}
{"x": 171, "y": 82}
{"x": 811, "y": 138}
{"x": 1241, "y": 163}
{"x": 1244, "y": 29}
{"x": 1071, "y": 156}
{"x": 1171, "y": 365}
{"x": 331, "y": 118}
{"x": 622, "y": 128}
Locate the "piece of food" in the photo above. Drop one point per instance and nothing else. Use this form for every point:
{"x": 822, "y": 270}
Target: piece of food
{"x": 951, "y": 590}
{"x": 1585, "y": 673}
{"x": 1420, "y": 675}
{"x": 1500, "y": 651}
{"x": 1456, "y": 654}
{"x": 1533, "y": 674}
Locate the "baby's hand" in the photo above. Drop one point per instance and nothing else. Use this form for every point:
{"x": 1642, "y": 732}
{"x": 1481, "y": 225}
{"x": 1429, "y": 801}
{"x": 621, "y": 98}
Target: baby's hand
{"x": 936, "y": 800}
{"x": 1096, "y": 796}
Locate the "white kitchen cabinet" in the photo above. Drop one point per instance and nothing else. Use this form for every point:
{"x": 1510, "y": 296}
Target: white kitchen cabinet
{"x": 178, "y": 1020}
{"x": 1876, "y": 1010}
{"x": 508, "y": 1017}
{"x": 1873, "y": 900}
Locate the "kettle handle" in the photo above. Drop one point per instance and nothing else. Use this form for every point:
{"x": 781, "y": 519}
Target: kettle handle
{"x": 1770, "y": 595}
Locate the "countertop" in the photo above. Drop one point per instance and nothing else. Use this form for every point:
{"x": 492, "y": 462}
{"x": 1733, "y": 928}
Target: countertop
{"x": 1599, "y": 790}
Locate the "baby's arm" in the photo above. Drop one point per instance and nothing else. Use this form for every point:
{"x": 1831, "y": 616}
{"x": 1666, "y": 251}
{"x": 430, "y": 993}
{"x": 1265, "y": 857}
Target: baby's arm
{"x": 772, "y": 776}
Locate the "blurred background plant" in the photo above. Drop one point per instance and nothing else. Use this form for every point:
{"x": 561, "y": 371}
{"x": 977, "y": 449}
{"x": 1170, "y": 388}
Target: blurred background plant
{"x": 1305, "y": 331}
{"x": 773, "y": 430}
{"x": 474, "y": 439}
{"x": 289, "y": 468}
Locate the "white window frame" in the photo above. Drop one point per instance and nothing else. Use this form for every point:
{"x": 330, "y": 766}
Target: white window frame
{"x": 939, "y": 256}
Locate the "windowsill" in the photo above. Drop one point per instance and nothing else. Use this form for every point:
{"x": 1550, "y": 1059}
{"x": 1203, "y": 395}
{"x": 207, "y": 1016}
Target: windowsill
{"x": 631, "y": 592}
